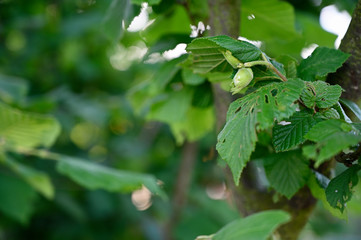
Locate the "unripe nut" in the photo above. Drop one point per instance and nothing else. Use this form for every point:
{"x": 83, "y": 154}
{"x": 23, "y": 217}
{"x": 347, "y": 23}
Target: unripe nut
{"x": 241, "y": 80}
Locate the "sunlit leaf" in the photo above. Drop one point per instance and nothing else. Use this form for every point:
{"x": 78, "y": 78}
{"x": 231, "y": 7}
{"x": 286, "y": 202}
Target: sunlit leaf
{"x": 258, "y": 226}
{"x": 206, "y": 53}
{"x": 21, "y": 129}
{"x": 95, "y": 176}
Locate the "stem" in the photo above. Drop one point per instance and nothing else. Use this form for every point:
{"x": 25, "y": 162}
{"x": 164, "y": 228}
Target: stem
{"x": 44, "y": 154}
{"x": 181, "y": 188}
{"x": 264, "y": 62}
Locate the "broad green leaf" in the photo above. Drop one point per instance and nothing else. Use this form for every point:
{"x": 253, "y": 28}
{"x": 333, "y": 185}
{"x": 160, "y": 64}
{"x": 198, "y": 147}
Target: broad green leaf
{"x": 258, "y": 110}
{"x": 258, "y": 226}
{"x": 173, "y": 107}
{"x": 289, "y": 134}
{"x": 164, "y": 75}
{"x": 191, "y": 78}
{"x": 331, "y": 136}
{"x": 353, "y": 107}
{"x": 319, "y": 193}
{"x": 38, "y": 180}
{"x": 312, "y": 31}
{"x": 287, "y": 172}
{"x": 273, "y": 23}
{"x": 321, "y": 94}
{"x": 94, "y": 176}
{"x": 17, "y": 198}
{"x": 267, "y": 19}
{"x": 195, "y": 124}
{"x": 206, "y": 53}
{"x": 112, "y": 22}
{"x": 339, "y": 190}
{"x": 150, "y": 2}
{"x": 217, "y": 77}
{"x": 175, "y": 21}
{"x": 12, "y": 89}
{"x": 28, "y": 130}
{"x": 320, "y": 63}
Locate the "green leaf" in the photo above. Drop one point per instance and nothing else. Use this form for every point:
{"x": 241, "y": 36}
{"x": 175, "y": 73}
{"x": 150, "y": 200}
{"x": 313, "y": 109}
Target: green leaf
{"x": 17, "y": 198}
{"x": 150, "y": 2}
{"x": 331, "y": 136}
{"x": 191, "y": 78}
{"x": 319, "y": 193}
{"x": 258, "y": 109}
{"x": 28, "y": 130}
{"x": 172, "y": 107}
{"x": 321, "y": 94}
{"x": 94, "y": 176}
{"x": 353, "y": 107}
{"x": 330, "y": 113}
{"x": 339, "y": 190}
{"x": 195, "y": 124}
{"x": 289, "y": 64}
{"x": 12, "y": 89}
{"x": 258, "y": 226}
{"x": 112, "y": 22}
{"x": 290, "y": 134}
{"x": 206, "y": 53}
{"x": 175, "y": 21}
{"x": 165, "y": 75}
{"x": 312, "y": 31}
{"x": 320, "y": 63}
{"x": 203, "y": 95}
{"x": 287, "y": 172}
{"x": 38, "y": 180}
{"x": 267, "y": 19}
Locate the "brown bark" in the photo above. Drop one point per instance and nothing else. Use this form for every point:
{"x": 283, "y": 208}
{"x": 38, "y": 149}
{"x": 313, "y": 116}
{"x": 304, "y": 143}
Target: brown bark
{"x": 349, "y": 75}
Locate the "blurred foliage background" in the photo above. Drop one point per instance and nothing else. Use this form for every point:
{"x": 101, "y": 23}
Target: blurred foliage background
{"x": 76, "y": 61}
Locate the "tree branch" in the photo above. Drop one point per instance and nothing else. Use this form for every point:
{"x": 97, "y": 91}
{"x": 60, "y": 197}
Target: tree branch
{"x": 180, "y": 195}
{"x": 349, "y": 75}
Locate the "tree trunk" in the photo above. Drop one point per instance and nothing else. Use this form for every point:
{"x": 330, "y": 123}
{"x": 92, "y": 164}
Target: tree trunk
{"x": 248, "y": 198}
{"x": 349, "y": 75}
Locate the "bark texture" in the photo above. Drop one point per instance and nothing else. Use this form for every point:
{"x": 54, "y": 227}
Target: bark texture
{"x": 349, "y": 75}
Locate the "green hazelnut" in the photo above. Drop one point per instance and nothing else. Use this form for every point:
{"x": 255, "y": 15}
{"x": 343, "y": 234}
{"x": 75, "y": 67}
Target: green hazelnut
{"x": 241, "y": 80}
